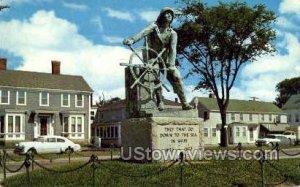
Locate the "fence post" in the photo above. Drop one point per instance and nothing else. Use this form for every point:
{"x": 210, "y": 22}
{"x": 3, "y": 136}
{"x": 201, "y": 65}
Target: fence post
{"x": 277, "y": 150}
{"x": 181, "y": 157}
{"x": 4, "y": 164}
{"x": 94, "y": 167}
{"x": 27, "y": 165}
{"x": 69, "y": 154}
{"x": 261, "y": 161}
{"x": 240, "y": 149}
{"x": 111, "y": 151}
{"x": 32, "y": 157}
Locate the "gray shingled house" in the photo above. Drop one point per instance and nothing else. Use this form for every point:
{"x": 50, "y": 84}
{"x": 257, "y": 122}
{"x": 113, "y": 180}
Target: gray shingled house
{"x": 34, "y": 104}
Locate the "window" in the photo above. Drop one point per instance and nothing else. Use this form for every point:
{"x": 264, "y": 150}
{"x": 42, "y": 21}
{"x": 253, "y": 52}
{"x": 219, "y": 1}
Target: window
{"x": 74, "y": 126}
{"x": 278, "y": 118}
{"x": 21, "y": 98}
{"x": 244, "y": 131}
{"x": 4, "y": 97}
{"x": 241, "y": 117}
{"x": 296, "y": 118}
{"x": 270, "y": 117}
{"x": 205, "y": 132}
{"x": 250, "y": 117}
{"x": 237, "y": 131}
{"x": 232, "y": 116}
{"x": 108, "y": 132}
{"x": 44, "y": 99}
{"x": 65, "y": 100}
{"x": 60, "y": 140}
{"x": 79, "y": 100}
{"x": 14, "y": 125}
{"x": 262, "y": 117}
{"x": 213, "y": 132}
{"x": 101, "y": 132}
{"x": 112, "y": 132}
{"x": 79, "y": 125}
{"x": 116, "y": 132}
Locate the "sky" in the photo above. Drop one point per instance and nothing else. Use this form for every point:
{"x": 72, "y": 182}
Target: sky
{"x": 86, "y": 37}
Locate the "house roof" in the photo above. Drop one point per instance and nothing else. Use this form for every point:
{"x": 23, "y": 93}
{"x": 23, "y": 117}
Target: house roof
{"x": 26, "y": 79}
{"x": 241, "y": 105}
{"x": 293, "y": 102}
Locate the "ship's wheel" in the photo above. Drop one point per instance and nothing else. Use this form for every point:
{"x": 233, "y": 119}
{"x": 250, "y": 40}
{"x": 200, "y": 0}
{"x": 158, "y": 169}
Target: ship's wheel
{"x": 152, "y": 72}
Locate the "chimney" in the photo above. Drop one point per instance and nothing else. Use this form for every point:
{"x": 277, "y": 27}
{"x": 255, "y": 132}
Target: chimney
{"x": 55, "y": 67}
{"x": 3, "y": 63}
{"x": 176, "y": 100}
{"x": 211, "y": 95}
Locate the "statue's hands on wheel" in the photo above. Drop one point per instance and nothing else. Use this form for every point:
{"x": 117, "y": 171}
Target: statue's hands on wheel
{"x": 128, "y": 41}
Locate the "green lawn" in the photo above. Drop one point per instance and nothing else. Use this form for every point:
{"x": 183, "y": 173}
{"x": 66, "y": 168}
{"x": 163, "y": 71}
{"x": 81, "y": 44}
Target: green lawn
{"x": 202, "y": 173}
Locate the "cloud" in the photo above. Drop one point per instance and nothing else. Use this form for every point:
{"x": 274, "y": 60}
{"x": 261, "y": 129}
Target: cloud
{"x": 19, "y": 2}
{"x": 149, "y": 15}
{"x": 45, "y": 37}
{"x": 290, "y": 7}
{"x": 260, "y": 77}
{"x": 285, "y": 23}
{"x": 75, "y": 6}
{"x": 112, "y": 39}
{"x": 98, "y": 22}
{"x": 119, "y": 14}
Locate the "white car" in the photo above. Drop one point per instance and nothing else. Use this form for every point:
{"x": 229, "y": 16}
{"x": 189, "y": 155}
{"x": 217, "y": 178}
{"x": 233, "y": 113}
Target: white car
{"x": 270, "y": 139}
{"x": 290, "y": 135}
{"x": 47, "y": 144}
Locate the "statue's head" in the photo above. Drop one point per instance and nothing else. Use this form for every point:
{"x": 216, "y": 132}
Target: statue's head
{"x": 162, "y": 16}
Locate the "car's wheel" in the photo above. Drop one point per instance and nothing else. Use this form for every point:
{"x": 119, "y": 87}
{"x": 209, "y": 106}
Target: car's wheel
{"x": 31, "y": 151}
{"x": 271, "y": 144}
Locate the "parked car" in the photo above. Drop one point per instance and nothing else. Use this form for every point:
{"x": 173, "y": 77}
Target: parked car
{"x": 47, "y": 144}
{"x": 270, "y": 139}
{"x": 291, "y": 135}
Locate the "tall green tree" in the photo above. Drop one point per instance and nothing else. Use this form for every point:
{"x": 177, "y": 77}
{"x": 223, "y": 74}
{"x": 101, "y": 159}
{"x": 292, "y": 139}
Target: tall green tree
{"x": 286, "y": 88}
{"x": 218, "y": 40}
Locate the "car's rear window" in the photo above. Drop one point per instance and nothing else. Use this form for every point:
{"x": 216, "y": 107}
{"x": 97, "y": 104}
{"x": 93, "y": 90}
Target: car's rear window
{"x": 60, "y": 140}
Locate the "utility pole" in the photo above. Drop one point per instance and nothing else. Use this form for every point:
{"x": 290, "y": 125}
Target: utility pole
{"x": 254, "y": 98}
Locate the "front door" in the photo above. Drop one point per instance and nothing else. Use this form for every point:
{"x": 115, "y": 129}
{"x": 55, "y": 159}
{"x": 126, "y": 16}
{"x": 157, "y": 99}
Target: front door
{"x": 43, "y": 126}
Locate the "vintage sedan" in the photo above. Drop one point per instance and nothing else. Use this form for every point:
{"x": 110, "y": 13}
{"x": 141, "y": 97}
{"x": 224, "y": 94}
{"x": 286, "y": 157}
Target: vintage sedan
{"x": 47, "y": 144}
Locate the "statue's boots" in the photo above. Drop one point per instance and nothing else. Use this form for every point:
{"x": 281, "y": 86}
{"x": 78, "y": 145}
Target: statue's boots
{"x": 161, "y": 106}
{"x": 185, "y": 105}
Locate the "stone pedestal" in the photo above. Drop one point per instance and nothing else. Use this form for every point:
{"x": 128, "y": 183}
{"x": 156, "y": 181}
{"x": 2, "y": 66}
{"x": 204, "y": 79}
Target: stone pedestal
{"x": 160, "y": 138}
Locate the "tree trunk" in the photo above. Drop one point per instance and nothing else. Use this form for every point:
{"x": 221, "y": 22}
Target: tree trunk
{"x": 224, "y": 142}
